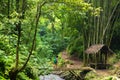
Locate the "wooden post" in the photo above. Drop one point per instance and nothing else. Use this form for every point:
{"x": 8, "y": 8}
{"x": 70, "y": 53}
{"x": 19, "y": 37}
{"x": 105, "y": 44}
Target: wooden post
{"x": 101, "y": 59}
{"x": 95, "y": 60}
{"x": 106, "y": 60}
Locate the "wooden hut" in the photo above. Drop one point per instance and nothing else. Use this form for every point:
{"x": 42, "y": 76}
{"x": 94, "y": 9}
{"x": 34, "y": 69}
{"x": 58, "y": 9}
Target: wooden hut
{"x": 98, "y": 55}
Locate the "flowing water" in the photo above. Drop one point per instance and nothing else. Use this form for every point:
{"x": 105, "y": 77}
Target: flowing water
{"x": 51, "y": 77}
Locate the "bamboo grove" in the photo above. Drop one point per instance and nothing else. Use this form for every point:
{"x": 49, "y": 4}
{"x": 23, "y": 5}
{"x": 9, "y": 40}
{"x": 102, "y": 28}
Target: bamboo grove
{"x": 100, "y": 27}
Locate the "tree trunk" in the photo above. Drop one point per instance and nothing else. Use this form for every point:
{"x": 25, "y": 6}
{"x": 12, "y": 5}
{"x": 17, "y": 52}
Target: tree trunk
{"x": 8, "y": 8}
{"x": 18, "y": 26}
{"x": 13, "y": 74}
{"x": 38, "y": 14}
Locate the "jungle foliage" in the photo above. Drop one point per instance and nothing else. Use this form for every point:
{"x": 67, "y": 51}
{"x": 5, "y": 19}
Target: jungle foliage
{"x": 32, "y": 32}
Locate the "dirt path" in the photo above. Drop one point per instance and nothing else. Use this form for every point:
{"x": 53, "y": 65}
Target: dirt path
{"x": 75, "y": 62}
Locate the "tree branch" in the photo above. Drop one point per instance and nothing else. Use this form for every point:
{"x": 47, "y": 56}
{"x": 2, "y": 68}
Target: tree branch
{"x": 38, "y": 14}
{"x": 18, "y": 26}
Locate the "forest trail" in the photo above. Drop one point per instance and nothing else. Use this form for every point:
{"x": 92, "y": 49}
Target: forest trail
{"x": 76, "y": 63}
{"x": 73, "y": 60}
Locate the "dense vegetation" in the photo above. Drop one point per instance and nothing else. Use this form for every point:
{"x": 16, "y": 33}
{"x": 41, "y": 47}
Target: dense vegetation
{"x": 32, "y": 32}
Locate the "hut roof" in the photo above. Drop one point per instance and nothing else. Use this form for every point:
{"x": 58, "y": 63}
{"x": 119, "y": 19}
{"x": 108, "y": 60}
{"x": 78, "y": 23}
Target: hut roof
{"x": 98, "y": 47}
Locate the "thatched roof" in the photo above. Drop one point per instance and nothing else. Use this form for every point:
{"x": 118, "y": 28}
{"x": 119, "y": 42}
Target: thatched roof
{"x": 98, "y": 47}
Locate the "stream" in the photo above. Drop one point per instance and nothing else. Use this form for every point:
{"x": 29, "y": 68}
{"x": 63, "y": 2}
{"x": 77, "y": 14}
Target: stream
{"x": 51, "y": 77}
